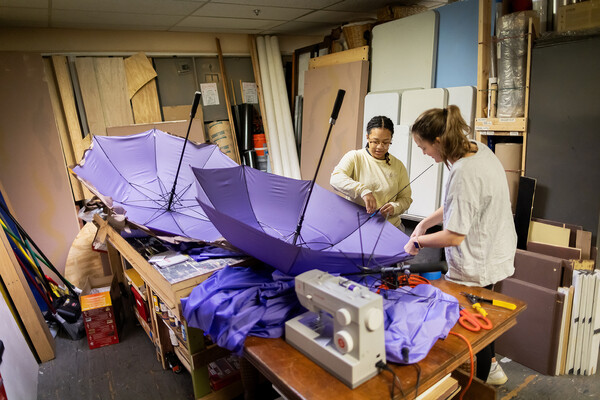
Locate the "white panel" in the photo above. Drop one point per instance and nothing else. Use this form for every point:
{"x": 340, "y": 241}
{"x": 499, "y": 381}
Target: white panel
{"x": 400, "y": 147}
{"x": 464, "y": 98}
{"x": 387, "y": 104}
{"x": 19, "y": 369}
{"x": 382, "y": 103}
{"x": 426, "y": 189}
{"x": 403, "y": 53}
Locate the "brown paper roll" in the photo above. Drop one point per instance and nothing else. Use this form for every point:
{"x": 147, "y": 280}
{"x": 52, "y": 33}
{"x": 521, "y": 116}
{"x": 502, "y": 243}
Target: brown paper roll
{"x": 513, "y": 187}
{"x": 219, "y": 133}
{"x": 509, "y": 155}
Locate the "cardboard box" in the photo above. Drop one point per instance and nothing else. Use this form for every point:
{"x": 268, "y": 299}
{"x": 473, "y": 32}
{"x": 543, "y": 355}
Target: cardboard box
{"x": 223, "y": 372}
{"x": 97, "y": 299}
{"x": 584, "y": 15}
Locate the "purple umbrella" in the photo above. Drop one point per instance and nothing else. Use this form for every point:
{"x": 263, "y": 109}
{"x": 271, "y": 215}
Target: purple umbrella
{"x": 136, "y": 173}
{"x": 258, "y": 213}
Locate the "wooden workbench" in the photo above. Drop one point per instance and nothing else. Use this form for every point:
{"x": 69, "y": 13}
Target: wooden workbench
{"x": 193, "y": 353}
{"x": 297, "y": 377}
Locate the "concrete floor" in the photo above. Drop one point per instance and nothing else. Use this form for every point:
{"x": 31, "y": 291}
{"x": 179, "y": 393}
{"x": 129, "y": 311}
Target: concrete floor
{"x": 129, "y": 370}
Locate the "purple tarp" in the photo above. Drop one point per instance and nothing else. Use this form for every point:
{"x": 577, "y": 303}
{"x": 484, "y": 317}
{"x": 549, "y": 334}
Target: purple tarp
{"x": 258, "y": 213}
{"x": 237, "y": 302}
{"x": 136, "y": 173}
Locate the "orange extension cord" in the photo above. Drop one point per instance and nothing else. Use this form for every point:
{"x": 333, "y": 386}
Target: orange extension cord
{"x": 462, "y": 393}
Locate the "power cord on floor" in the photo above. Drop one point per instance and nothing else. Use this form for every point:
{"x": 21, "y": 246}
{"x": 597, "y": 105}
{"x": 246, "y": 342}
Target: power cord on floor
{"x": 462, "y": 393}
{"x": 384, "y": 366}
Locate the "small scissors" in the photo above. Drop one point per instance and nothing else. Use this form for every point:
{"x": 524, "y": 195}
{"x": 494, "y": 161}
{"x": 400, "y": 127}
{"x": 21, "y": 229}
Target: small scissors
{"x": 473, "y": 322}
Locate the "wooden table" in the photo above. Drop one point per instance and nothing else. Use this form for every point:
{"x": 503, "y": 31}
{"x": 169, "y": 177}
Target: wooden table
{"x": 297, "y": 377}
{"x": 193, "y": 353}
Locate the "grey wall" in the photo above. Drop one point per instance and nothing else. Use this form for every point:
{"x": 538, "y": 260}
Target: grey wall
{"x": 179, "y": 78}
{"x": 563, "y": 147}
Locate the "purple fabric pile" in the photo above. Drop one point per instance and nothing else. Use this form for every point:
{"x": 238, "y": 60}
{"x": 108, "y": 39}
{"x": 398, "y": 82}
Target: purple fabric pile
{"x": 237, "y": 302}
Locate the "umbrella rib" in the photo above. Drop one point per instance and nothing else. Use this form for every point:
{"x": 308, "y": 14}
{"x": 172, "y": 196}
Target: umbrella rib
{"x": 249, "y": 202}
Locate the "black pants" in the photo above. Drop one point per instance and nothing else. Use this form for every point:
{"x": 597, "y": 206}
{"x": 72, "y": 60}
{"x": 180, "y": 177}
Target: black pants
{"x": 484, "y": 357}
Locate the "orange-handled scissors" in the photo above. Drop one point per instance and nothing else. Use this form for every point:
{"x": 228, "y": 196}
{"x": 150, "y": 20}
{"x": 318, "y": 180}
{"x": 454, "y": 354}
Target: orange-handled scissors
{"x": 473, "y": 322}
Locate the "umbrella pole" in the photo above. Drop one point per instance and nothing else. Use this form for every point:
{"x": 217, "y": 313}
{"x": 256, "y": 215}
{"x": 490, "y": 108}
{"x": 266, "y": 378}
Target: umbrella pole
{"x": 192, "y": 115}
{"x": 334, "y": 114}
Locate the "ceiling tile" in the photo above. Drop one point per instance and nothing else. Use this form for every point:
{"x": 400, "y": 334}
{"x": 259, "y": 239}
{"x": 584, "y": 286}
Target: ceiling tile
{"x": 162, "y": 7}
{"x": 246, "y": 11}
{"x": 16, "y": 17}
{"x": 366, "y": 5}
{"x": 312, "y": 4}
{"x": 24, "y": 3}
{"x": 301, "y": 28}
{"x": 226, "y": 23}
{"x": 336, "y": 17}
{"x": 106, "y": 20}
{"x": 215, "y": 30}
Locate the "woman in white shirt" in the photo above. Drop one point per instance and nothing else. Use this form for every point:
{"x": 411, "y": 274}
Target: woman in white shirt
{"x": 374, "y": 178}
{"x": 478, "y": 232}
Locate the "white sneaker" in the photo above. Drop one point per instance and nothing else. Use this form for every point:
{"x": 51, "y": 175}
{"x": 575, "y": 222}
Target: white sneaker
{"x": 497, "y": 375}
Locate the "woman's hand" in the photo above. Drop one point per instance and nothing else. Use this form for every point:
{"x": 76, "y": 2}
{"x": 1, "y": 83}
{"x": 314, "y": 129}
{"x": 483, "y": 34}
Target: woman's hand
{"x": 420, "y": 229}
{"x": 387, "y": 210}
{"x": 370, "y": 203}
{"x": 410, "y": 247}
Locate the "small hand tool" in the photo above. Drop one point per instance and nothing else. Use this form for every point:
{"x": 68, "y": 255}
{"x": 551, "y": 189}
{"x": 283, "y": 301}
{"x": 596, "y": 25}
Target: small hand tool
{"x": 494, "y": 302}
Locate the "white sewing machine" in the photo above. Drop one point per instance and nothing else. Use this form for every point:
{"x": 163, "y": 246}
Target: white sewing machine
{"x": 343, "y": 329}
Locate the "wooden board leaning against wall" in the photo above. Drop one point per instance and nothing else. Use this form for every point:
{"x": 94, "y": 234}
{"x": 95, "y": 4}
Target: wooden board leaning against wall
{"x": 114, "y": 92}
{"x": 327, "y": 74}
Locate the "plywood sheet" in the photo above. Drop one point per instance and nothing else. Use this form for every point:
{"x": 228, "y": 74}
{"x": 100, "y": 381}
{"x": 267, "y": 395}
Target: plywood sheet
{"x": 145, "y": 104}
{"x": 65, "y": 89}
{"x": 457, "y": 44}
{"x": 356, "y": 54}
{"x": 426, "y": 189}
{"x": 32, "y": 165}
{"x": 112, "y": 85}
{"x": 86, "y": 74}
{"x": 320, "y": 90}
{"x": 403, "y": 53}
{"x": 549, "y": 234}
{"x": 24, "y": 302}
{"x": 178, "y": 128}
{"x": 79, "y": 192}
{"x": 138, "y": 71}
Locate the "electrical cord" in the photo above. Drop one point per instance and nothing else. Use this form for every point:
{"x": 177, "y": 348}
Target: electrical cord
{"x": 462, "y": 393}
{"x": 384, "y": 366}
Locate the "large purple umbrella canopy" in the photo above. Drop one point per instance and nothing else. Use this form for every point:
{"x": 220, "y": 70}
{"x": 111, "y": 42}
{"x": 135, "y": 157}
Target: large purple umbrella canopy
{"x": 258, "y": 213}
{"x": 136, "y": 173}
